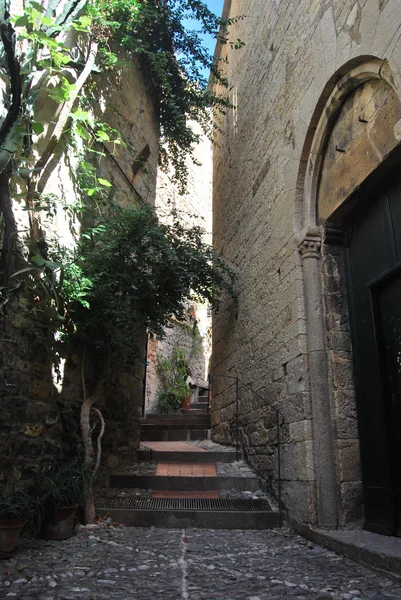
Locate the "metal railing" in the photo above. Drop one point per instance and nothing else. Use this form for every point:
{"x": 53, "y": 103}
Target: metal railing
{"x": 279, "y": 423}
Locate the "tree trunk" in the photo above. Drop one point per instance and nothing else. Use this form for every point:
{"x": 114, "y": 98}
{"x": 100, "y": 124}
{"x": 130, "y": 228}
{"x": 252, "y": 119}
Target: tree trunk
{"x": 9, "y": 227}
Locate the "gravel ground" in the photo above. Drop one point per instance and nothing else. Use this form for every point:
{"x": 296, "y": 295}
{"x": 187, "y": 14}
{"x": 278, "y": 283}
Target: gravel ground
{"x": 111, "y": 491}
{"x": 209, "y": 445}
{"x": 235, "y": 469}
{"x": 231, "y": 494}
{"x": 116, "y": 563}
{"x": 138, "y": 468}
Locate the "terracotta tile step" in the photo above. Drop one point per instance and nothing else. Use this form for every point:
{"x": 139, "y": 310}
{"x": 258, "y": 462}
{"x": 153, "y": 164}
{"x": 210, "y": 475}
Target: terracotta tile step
{"x": 185, "y": 469}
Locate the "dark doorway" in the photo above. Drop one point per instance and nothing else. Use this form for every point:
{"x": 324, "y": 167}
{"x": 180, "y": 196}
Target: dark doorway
{"x": 374, "y": 281}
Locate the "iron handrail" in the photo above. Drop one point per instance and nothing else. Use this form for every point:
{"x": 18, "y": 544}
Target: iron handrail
{"x": 278, "y": 426}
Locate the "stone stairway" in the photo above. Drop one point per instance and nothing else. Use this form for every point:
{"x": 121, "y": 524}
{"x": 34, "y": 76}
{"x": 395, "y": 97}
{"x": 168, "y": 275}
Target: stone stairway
{"x": 190, "y": 424}
{"x": 182, "y": 479}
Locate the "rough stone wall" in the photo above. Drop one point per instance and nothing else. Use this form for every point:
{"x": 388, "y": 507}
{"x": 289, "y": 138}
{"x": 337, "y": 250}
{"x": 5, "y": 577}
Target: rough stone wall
{"x": 292, "y": 52}
{"x": 40, "y": 408}
{"x": 350, "y": 493}
{"x": 178, "y": 336}
{"x": 195, "y": 207}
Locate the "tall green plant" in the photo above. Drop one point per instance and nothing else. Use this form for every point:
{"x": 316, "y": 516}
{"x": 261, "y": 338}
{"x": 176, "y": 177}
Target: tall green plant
{"x": 173, "y": 375}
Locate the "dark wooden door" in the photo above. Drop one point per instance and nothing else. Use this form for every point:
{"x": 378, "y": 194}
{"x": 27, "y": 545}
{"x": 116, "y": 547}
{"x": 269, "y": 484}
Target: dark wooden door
{"x": 374, "y": 281}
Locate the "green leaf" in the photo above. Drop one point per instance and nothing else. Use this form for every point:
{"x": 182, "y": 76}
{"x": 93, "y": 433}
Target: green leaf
{"x": 37, "y": 128}
{"x": 81, "y": 131}
{"x": 22, "y": 21}
{"x": 21, "y": 271}
{"x": 102, "y": 136}
{"x": 37, "y": 6}
{"x": 47, "y": 21}
{"x": 87, "y": 166}
{"x": 91, "y": 191}
{"x": 38, "y": 260}
{"x": 83, "y": 23}
{"x": 50, "y": 264}
{"x": 80, "y": 115}
{"x": 104, "y": 182}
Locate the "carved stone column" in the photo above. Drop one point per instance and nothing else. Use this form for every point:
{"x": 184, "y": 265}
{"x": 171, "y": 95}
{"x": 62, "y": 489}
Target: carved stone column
{"x": 310, "y": 250}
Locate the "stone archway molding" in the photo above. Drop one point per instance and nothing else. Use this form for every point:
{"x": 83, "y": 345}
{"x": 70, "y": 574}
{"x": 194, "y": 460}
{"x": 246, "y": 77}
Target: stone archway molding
{"x": 309, "y": 240}
{"x": 351, "y": 76}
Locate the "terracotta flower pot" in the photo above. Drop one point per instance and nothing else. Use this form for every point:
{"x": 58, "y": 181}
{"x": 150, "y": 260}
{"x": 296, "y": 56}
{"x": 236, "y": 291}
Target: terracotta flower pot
{"x": 60, "y": 525}
{"x": 185, "y": 404}
{"x": 9, "y": 532}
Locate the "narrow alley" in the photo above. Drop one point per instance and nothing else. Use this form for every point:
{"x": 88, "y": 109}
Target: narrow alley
{"x": 111, "y": 562}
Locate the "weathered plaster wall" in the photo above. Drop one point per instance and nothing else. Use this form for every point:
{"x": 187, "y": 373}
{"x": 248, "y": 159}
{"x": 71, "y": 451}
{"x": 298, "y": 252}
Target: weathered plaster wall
{"x": 294, "y": 52}
{"x": 40, "y": 409}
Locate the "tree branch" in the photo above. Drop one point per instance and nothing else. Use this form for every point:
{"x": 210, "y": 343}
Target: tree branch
{"x": 7, "y": 37}
{"x": 66, "y": 110}
{"x": 98, "y": 442}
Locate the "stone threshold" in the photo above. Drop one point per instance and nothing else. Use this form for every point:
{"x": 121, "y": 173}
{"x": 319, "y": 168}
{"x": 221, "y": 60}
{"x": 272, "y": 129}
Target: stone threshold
{"x": 381, "y": 552}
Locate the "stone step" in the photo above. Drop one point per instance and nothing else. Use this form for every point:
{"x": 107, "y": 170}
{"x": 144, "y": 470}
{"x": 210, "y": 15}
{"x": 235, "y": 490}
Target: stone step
{"x": 181, "y": 513}
{"x": 169, "y": 425}
{"x": 189, "y": 417}
{"x": 199, "y": 406}
{"x": 155, "y": 434}
{"x": 194, "y": 457}
{"x": 187, "y": 412}
{"x": 177, "y": 483}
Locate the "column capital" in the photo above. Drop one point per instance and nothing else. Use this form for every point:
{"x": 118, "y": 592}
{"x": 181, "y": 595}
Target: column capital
{"x": 310, "y": 244}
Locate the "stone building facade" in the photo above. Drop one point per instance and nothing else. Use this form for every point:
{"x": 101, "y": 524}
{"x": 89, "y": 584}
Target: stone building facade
{"x": 307, "y": 210}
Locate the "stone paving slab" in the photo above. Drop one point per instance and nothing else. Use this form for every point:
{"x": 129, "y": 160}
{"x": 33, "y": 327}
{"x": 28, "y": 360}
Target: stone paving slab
{"x": 172, "y": 447}
{"x": 140, "y": 564}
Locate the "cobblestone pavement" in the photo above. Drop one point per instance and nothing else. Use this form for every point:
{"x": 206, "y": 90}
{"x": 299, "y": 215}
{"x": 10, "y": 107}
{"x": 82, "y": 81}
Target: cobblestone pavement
{"x": 133, "y": 563}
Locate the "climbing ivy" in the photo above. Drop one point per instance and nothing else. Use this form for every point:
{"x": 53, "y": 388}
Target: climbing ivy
{"x": 174, "y": 58}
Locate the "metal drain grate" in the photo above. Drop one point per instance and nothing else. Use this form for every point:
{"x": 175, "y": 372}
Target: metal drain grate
{"x": 199, "y": 504}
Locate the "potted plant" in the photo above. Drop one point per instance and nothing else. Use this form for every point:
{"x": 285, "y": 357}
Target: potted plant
{"x": 61, "y": 491}
{"x": 13, "y": 511}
